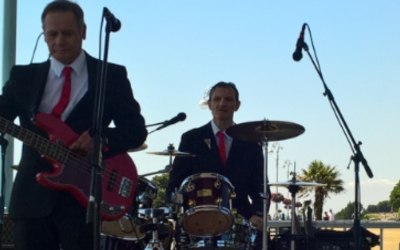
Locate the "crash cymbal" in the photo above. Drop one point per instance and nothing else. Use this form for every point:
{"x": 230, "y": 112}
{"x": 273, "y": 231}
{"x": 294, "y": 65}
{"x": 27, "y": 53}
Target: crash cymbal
{"x": 172, "y": 152}
{"x": 296, "y": 183}
{"x": 272, "y": 130}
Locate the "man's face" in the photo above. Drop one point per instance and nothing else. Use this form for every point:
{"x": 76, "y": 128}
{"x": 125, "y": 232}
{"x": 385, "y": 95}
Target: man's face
{"x": 223, "y": 104}
{"x": 63, "y": 35}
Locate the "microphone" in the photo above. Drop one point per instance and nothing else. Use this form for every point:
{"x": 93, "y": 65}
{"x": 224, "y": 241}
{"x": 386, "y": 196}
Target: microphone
{"x": 297, "y": 55}
{"x": 114, "y": 23}
{"x": 178, "y": 118}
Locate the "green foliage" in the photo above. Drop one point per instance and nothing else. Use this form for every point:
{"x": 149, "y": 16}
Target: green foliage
{"x": 161, "y": 181}
{"x": 347, "y": 213}
{"x": 395, "y": 197}
{"x": 323, "y": 174}
{"x": 381, "y": 207}
{"x": 384, "y": 206}
{"x": 372, "y": 209}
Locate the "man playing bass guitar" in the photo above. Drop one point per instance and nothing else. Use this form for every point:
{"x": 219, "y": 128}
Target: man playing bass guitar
{"x": 48, "y": 196}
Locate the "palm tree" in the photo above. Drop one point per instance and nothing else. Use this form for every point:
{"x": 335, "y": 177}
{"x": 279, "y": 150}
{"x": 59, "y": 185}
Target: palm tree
{"x": 324, "y": 174}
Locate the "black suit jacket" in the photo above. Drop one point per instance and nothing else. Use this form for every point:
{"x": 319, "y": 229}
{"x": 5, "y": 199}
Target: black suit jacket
{"x": 21, "y": 96}
{"x": 244, "y": 167}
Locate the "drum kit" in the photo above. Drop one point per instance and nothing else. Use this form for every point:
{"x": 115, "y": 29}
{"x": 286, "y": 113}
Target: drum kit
{"x": 205, "y": 218}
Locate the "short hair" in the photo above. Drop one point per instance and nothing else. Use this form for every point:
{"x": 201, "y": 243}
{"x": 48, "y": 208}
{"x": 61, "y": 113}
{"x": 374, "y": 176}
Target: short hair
{"x": 223, "y": 85}
{"x": 65, "y": 6}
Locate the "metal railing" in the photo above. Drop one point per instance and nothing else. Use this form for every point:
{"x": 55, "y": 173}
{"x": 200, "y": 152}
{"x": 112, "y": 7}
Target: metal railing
{"x": 344, "y": 224}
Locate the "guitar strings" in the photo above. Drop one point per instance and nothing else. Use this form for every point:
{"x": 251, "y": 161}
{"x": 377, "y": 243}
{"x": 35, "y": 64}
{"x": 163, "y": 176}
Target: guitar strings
{"x": 56, "y": 151}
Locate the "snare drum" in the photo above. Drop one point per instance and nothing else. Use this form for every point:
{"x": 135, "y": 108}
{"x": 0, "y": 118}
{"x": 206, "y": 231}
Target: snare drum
{"x": 207, "y": 200}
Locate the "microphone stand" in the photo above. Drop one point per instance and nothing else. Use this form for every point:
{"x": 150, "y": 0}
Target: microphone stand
{"x": 357, "y": 156}
{"x": 154, "y": 124}
{"x": 93, "y": 211}
{"x": 4, "y": 144}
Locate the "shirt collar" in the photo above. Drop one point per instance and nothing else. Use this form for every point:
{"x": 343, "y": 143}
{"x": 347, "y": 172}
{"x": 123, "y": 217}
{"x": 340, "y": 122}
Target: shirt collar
{"x": 77, "y": 65}
{"x": 216, "y": 129}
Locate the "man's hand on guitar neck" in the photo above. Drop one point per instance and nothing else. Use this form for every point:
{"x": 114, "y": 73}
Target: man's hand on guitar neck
{"x": 83, "y": 145}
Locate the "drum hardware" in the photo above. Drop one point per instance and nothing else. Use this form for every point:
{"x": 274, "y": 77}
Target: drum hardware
{"x": 192, "y": 203}
{"x": 127, "y": 232}
{"x": 240, "y": 236}
{"x": 217, "y": 184}
{"x": 218, "y": 202}
{"x": 293, "y": 186}
{"x": 170, "y": 151}
{"x": 147, "y": 192}
{"x": 167, "y": 169}
{"x": 156, "y": 215}
{"x": 189, "y": 187}
{"x": 264, "y": 132}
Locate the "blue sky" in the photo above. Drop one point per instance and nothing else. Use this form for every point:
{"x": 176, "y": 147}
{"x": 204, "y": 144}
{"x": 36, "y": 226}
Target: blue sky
{"x": 175, "y": 50}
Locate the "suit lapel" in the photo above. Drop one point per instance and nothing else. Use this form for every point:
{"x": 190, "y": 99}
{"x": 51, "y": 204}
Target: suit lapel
{"x": 86, "y": 103}
{"x": 208, "y": 136}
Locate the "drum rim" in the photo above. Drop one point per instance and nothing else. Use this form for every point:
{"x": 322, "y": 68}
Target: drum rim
{"x": 208, "y": 208}
{"x": 205, "y": 175}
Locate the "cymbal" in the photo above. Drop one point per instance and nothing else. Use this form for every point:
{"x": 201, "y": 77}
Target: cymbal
{"x": 296, "y": 183}
{"x": 172, "y": 152}
{"x": 258, "y": 130}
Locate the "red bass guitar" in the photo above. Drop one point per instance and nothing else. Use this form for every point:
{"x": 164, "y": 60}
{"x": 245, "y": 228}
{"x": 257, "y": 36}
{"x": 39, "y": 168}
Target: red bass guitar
{"x": 72, "y": 172}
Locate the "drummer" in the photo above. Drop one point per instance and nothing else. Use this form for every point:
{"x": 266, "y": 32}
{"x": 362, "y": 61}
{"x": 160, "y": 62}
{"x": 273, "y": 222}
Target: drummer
{"x": 242, "y": 162}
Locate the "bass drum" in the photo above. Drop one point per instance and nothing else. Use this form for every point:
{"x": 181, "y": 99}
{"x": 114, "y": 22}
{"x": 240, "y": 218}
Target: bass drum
{"x": 128, "y": 227}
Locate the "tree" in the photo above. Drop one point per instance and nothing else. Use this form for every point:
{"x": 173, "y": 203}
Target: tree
{"x": 347, "y": 213}
{"x": 395, "y": 197}
{"x": 161, "y": 181}
{"x": 324, "y": 174}
{"x": 381, "y": 207}
{"x": 372, "y": 209}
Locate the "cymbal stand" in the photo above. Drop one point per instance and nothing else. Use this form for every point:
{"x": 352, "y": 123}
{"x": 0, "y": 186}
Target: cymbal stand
{"x": 265, "y": 194}
{"x": 155, "y": 214}
{"x": 167, "y": 169}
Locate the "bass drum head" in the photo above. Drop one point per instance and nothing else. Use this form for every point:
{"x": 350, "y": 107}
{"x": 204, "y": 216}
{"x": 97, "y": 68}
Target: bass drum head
{"x": 207, "y": 221}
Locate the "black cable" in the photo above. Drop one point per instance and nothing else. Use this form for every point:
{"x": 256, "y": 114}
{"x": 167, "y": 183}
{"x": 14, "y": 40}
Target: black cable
{"x": 36, "y": 44}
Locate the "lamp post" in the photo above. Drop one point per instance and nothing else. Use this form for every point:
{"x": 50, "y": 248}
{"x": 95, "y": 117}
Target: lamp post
{"x": 287, "y": 164}
{"x": 276, "y": 147}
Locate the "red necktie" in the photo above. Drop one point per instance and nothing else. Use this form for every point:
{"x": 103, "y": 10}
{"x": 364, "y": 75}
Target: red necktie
{"x": 221, "y": 146}
{"x": 65, "y": 94}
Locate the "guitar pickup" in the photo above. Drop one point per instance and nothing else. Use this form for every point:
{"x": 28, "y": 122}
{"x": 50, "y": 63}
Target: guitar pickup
{"x": 125, "y": 187}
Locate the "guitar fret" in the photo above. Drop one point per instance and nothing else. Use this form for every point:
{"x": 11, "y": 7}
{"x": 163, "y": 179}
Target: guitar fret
{"x": 58, "y": 153}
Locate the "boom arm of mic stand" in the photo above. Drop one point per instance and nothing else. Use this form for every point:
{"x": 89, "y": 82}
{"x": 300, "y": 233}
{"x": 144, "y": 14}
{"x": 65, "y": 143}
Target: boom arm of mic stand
{"x": 357, "y": 157}
{"x": 155, "y": 124}
{"x": 354, "y": 146}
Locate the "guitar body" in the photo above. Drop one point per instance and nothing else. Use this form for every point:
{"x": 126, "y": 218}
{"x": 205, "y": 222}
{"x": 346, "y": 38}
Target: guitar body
{"x": 72, "y": 172}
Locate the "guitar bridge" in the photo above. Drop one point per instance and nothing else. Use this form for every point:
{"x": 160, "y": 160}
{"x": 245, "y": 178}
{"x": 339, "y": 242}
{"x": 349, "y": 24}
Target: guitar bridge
{"x": 125, "y": 187}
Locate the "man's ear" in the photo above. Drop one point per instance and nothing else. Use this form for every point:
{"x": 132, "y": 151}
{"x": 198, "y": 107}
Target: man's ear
{"x": 237, "y": 106}
{"x": 84, "y": 32}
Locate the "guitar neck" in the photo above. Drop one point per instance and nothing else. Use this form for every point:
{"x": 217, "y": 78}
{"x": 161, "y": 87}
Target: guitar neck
{"x": 41, "y": 144}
